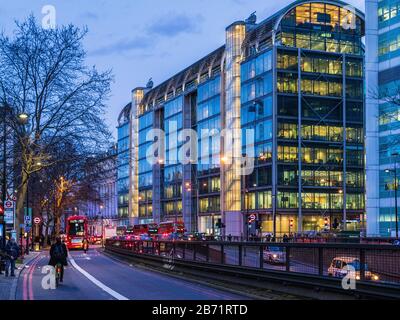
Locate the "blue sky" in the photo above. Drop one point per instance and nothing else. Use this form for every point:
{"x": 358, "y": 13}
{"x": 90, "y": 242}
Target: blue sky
{"x": 143, "y": 39}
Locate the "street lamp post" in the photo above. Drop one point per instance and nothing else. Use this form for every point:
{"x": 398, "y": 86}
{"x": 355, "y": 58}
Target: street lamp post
{"x": 4, "y": 185}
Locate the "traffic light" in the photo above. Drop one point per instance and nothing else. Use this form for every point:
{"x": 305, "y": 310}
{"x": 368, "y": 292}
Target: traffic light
{"x": 291, "y": 223}
{"x": 326, "y": 223}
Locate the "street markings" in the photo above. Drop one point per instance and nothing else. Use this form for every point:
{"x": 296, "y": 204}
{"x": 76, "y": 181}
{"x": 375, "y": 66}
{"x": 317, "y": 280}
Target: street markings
{"x": 101, "y": 285}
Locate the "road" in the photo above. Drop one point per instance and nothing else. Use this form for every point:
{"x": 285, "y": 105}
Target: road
{"x": 98, "y": 277}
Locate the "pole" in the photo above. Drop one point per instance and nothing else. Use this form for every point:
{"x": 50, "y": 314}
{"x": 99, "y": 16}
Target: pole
{"x": 395, "y": 200}
{"x": 27, "y": 213}
{"x": 4, "y": 186}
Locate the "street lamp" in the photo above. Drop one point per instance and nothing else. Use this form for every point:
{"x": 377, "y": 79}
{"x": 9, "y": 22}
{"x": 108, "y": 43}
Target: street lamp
{"x": 395, "y": 155}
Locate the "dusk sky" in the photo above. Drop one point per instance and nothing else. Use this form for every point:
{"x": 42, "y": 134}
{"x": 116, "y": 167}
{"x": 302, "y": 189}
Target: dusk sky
{"x": 143, "y": 39}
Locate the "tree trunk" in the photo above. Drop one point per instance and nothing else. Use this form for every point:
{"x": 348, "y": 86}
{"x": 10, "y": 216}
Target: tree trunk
{"x": 19, "y": 212}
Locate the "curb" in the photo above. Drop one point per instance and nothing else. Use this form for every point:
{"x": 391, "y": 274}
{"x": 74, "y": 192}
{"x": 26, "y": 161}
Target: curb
{"x": 14, "y": 285}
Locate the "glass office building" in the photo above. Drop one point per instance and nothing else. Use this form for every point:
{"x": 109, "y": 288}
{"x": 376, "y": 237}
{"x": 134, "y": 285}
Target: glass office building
{"x": 382, "y": 118}
{"x": 290, "y": 93}
{"x": 124, "y": 164}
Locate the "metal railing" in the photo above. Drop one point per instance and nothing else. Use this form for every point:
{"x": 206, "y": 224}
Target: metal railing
{"x": 375, "y": 264}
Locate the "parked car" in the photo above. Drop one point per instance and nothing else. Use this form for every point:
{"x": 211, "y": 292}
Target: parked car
{"x": 275, "y": 255}
{"x": 338, "y": 268}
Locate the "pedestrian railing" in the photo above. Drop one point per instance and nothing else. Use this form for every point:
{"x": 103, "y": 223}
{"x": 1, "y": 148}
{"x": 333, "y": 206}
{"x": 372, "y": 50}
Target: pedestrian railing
{"x": 370, "y": 263}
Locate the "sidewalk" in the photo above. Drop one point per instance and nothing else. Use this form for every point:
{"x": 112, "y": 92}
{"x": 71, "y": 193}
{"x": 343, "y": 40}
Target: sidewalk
{"x": 8, "y": 285}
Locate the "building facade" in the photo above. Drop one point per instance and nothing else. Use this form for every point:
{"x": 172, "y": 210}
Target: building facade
{"x": 278, "y": 117}
{"x": 124, "y": 164}
{"x": 101, "y": 208}
{"x": 382, "y": 116}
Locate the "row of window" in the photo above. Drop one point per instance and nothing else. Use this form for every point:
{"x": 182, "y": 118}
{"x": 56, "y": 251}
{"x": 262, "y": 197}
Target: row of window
{"x": 209, "y": 108}
{"x": 257, "y": 88}
{"x": 320, "y": 41}
{"x": 146, "y": 121}
{"x": 319, "y": 108}
{"x": 209, "y": 205}
{"x": 257, "y": 66}
{"x": 326, "y": 16}
{"x": 289, "y": 84}
{"x": 320, "y": 156}
{"x": 389, "y": 42}
{"x": 256, "y": 111}
{"x": 209, "y": 89}
{"x": 173, "y": 107}
{"x": 320, "y": 133}
{"x": 145, "y": 210}
{"x": 172, "y": 207}
{"x": 320, "y": 201}
{"x": 388, "y": 11}
{"x": 320, "y": 178}
{"x": 286, "y": 61}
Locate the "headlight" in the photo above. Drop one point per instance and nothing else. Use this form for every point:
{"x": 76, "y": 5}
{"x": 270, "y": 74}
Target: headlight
{"x": 375, "y": 277}
{"x": 275, "y": 256}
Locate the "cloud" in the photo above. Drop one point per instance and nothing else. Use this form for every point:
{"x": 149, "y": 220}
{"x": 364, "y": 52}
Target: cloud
{"x": 172, "y": 25}
{"x": 123, "y": 46}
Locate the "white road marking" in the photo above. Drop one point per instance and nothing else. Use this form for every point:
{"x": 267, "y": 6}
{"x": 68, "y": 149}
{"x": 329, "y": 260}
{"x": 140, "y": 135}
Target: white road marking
{"x": 101, "y": 285}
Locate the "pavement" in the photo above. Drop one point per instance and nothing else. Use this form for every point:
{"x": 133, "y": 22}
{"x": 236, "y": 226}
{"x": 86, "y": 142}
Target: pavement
{"x": 94, "y": 276}
{"x": 8, "y": 286}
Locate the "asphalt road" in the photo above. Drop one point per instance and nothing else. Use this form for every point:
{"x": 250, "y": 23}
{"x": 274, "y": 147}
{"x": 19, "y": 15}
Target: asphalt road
{"x": 98, "y": 277}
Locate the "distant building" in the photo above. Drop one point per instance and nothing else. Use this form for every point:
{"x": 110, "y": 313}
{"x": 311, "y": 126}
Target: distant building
{"x": 102, "y": 208}
{"x": 382, "y": 118}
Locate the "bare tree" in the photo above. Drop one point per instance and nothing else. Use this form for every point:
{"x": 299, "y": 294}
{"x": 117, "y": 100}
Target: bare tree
{"x": 43, "y": 75}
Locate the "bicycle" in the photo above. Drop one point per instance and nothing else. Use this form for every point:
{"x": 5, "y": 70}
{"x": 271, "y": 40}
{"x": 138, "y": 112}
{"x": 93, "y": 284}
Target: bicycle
{"x": 58, "y": 273}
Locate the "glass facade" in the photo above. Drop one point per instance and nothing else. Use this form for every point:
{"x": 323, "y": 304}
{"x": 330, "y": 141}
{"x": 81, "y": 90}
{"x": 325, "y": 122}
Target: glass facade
{"x": 145, "y": 171}
{"x": 173, "y": 168}
{"x": 123, "y": 164}
{"x": 389, "y": 121}
{"x": 297, "y": 102}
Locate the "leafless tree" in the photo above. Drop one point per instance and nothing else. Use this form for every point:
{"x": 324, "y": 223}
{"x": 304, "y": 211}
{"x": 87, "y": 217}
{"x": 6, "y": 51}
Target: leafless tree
{"x": 43, "y": 75}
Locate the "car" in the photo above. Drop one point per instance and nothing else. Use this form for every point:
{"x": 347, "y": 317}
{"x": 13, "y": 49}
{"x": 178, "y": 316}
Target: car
{"x": 96, "y": 239}
{"x": 275, "y": 255}
{"x": 187, "y": 236}
{"x": 338, "y": 268}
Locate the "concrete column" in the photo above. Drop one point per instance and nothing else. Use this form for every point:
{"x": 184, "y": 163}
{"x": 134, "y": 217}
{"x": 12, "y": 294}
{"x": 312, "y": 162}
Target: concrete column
{"x": 137, "y": 97}
{"x": 372, "y": 119}
{"x": 232, "y": 159}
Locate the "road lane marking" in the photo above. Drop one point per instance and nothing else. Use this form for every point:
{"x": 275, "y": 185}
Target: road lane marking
{"x": 101, "y": 285}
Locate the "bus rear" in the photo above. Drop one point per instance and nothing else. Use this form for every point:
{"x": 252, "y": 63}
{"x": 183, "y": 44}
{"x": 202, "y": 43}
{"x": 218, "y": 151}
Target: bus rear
{"x": 77, "y": 230}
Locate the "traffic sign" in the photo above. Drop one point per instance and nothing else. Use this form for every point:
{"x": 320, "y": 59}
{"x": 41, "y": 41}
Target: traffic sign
{"x": 37, "y": 220}
{"x": 28, "y": 220}
{"x": 252, "y": 218}
{"x": 9, "y": 204}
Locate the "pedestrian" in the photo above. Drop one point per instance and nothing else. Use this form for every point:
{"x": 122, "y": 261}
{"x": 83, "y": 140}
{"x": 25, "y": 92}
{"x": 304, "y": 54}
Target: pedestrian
{"x": 285, "y": 238}
{"x": 12, "y": 252}
{"x": 85, "y": 245}
{"x": 229, "y": 237}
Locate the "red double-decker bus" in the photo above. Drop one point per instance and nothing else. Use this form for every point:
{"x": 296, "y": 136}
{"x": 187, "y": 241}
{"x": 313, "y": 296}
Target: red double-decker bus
{"x": 76, "y": 231}
{"x": 141, "y": 229}
{"x": 166, "y": 229}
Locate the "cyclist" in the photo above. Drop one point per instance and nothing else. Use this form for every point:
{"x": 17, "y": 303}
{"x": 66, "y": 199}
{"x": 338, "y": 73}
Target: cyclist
{"x": 58, "y": 255}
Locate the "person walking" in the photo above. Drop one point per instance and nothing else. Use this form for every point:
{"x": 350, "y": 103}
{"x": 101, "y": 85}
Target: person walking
{"x": 85, "y": 245}
{"x": 12, "y": 252}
